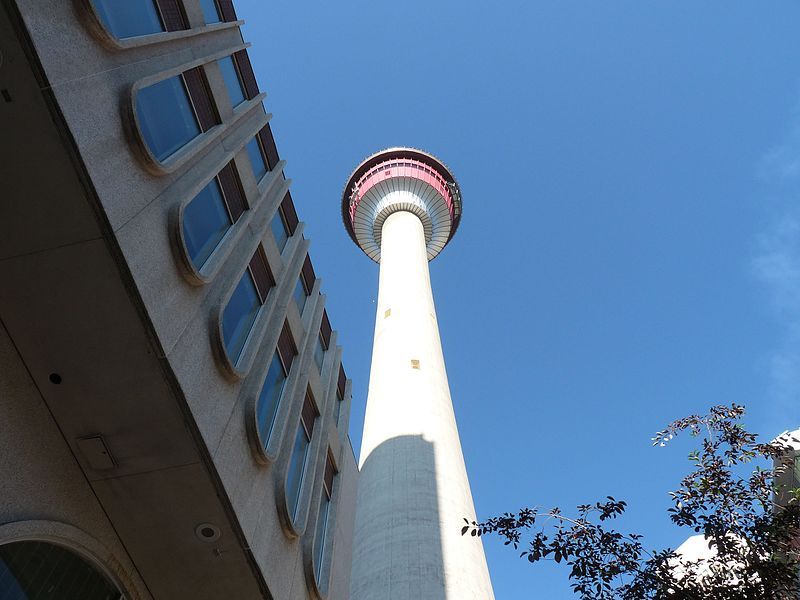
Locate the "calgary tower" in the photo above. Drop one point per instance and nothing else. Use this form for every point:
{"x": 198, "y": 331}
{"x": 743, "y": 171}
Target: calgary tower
{"x": 401, "y": 207}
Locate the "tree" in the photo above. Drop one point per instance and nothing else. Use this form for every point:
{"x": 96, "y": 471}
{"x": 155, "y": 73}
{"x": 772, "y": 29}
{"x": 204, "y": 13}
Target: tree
{"x": 752, "y": 538}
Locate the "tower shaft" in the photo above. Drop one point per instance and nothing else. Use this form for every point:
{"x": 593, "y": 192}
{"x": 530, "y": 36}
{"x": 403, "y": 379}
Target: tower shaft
{"x": 413, "y": 487}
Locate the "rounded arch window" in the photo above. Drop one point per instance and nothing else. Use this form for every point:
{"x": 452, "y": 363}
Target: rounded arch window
{"x": 45, "y": 571}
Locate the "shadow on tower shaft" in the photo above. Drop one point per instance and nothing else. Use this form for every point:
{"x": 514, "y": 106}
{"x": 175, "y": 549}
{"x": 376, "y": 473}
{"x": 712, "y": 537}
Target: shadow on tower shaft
{"x": 398, "y": 551}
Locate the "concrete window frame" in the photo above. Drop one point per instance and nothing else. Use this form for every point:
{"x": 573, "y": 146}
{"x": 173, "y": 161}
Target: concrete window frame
{"x": 264, "y": 429}
{"x": 82, "y": 544}
{"x": 272, "y": 187}
{"x": 92, "y": 21}
{"x": 223, "y": 209}
{"x": 276, "y": 451}
{"x": 308, "y": 424}
{"x": 58, "y": 569}
{"x": 201, "y": 142}
{"x": 318, "y": 579}
{"x": 240, "y": 313}
{"x": 179, "y": 99}
{"x": 295, "y": 520}
{"x": 234, "y": 201}
{"x": 260, "y": 275}
{"x": 278, "y": 298}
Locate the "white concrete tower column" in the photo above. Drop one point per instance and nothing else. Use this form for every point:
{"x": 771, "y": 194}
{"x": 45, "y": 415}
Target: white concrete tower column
{"x": 402, "y": 206}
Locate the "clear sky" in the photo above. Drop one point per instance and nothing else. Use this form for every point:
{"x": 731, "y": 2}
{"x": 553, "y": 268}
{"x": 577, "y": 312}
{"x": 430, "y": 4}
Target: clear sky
{"x": 630, "y": 247}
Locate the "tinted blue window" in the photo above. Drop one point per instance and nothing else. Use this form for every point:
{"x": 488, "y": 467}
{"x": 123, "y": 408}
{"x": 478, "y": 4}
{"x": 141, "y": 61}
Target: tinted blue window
{"x": 210, "y": 11}
{"x": 166, "y": 117}
{"x": 319, "y": 353}
{"x": 294, "y": 479}
{"x": 337, "y": 408}
{"x": 129, "y": 18}
{"x": 300, "y": 295}
{"x": 239, "y": 315}
{"x": 256, "y": 159}
{"x": 319, "y": 536}
{"x": 279, "y": 231}
{"x": 232, "y": 81}
{"x": 269, "y": 398}
{"x": 205, "y": 221}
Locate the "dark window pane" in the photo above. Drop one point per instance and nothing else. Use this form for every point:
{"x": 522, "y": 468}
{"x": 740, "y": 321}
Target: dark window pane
{"x": 325, "y": 329}
{"x": 310, "y": 277}
{"x": 172, "y": 14}
{"x": 129, "y": 18}
{"x": 227, "y": 10}
{"x": 262, "y": 275}
{"x": 205, "y": 222}
{"x": 42, "y": 571}
{"x": 286, "y": 347}
{"x": 319, "y": 535}
{"x": 294, "y": 479}
{"x": 232, "y": 81}
{"x": 300, "y": 295}
{"x": 289, "y": 213}
{"x": 341, "y": 383}
{"x": 210, "y": 11}
{"x": 166, "y": 117}
{"x": 256, "y": 159}
{"x": 232, "y": 191}
{"x": 279, "y": 231}
{"x": 200, "y": 94}
{"x": 246, "y": 73}
{"x": 269, "y": 398}
{"x": 239, "y": 315}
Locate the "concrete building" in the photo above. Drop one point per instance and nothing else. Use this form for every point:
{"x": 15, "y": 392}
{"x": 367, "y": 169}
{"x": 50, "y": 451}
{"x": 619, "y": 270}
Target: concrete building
{"x": 173, "y": 409}
{"x": 401, "y": 207}
{"x": 788, "y": 469}
{"x": 697, "y": 554}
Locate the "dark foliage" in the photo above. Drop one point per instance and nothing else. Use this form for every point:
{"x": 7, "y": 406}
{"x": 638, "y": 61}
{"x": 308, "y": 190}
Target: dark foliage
{"x": 753, "y": 539}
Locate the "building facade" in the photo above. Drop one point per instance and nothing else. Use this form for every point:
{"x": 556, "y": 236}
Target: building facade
{"x": 401, "y": 207}
{"x": 173, "y": 406}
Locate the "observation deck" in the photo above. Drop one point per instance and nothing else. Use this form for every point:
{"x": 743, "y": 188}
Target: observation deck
{"x": 401, "y": 179}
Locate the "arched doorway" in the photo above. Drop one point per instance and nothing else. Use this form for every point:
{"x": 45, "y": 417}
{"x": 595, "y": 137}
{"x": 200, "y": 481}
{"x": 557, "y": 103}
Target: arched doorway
{"x": 35, "y": 570}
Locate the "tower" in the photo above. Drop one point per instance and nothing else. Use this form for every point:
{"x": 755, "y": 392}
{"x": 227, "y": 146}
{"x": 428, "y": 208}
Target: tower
{"x": 401, "y": 207}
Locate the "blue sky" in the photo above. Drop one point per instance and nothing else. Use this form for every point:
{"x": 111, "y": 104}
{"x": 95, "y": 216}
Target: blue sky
{"x": 630, "y": 247}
